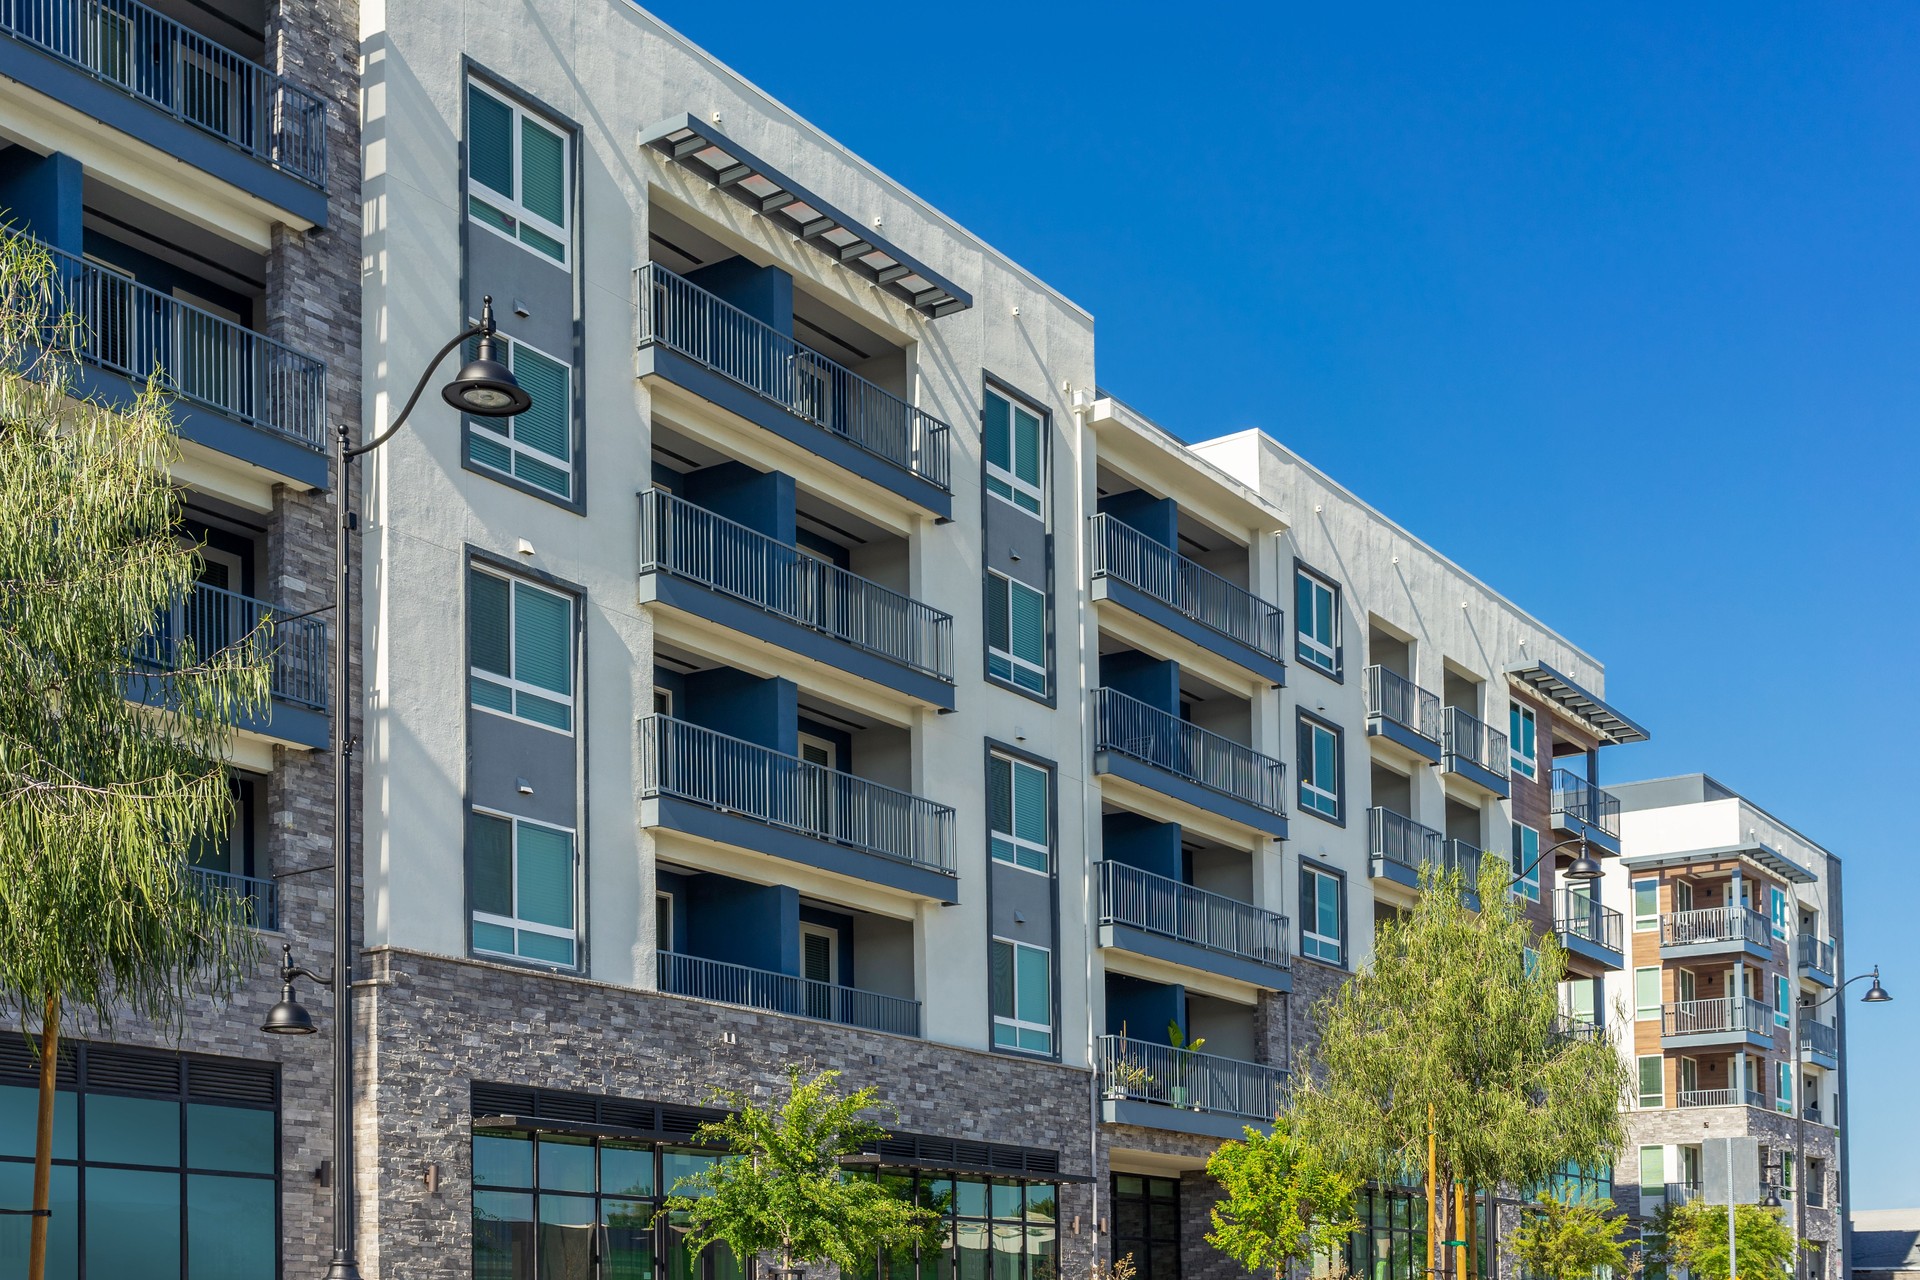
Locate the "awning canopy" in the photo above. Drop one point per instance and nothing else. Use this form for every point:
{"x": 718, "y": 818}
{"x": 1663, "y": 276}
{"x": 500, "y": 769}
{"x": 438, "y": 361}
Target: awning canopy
{"x": 1608, "y": 725}
{"x": 771, "y": 194}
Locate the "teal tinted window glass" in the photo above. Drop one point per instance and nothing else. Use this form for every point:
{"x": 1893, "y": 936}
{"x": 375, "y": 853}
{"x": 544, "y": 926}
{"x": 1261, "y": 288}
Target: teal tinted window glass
{"x": 546, "y": 948}
{"x": 489, "y": 142}
{"x": 1029, "y": 624}
{"x": 543, "y": 172}
{"x": 502, "y": 1160}
{"x": 1000, "y": 804}
{"x": 1001, "y": 980}
{"x": 488, "y": 644}
{"x": 675, "y": 1165}
{"x": 1026, "y": 446}
{"x": 627, "y": 1230}
{"x": 970, "y": 1198}
{"x": 999, "y": 627}
{"x": 231, "y": 1230}
{"x": 496, "y": 939}
{"x": 547, "y": 425}
{"x": 626, "y": 1171}
{"x": 998, "y": 431}
{"x": 232, "y": 1139}
{"x": 542, "y": 241}
{"x": 19, "y": 1118}
{"x": 1653, "y": 1083}
{"x": 1526, "y": 862}
{"x": 133, "y": 1221}
{"x": 542, "y": 638}
{"x": 63, "y": 1229}
{"x": 1034, "y": 976}
{"x": 486, "y": 213}
{"x": 1006, "y": 1200}
{"x": 545, "y": 877}
{"x": 490, "y": 865}
{"x": 502, "y": 1235}
{"x": 133, "y": 1131}
{"x": 486, "y": 450}
{"x": 566, "y": 1163}
{"x": 1030, "y": 803}
{"x": 542, "y": 475}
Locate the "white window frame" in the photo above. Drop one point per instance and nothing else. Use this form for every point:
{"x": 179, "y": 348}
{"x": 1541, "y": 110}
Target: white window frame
{"x": 1021, "y": 845}
{"x": 1660, "y": 1162}
{"x": 1639, "y": 1083}
{"x": 1645, "y": 924}
{"x": 1778, "y": 908}
{"x": 1310, "y": 917}
{"x": 1311, "y": 792}
{"x": 663, "y": 898}
{"x": 1038, "y": 492}
{"x": 1640, "y": 1011}
{"x": 1323, "y": 655}
{"x": 513, "y": 922}
{"x": 663, "y": 702}
{"x": 513, "y": 683}
{"x": 511, "y": 442}
{"x": 1783, "y": 1089}
{"x": 833, "y": 950}
{"x": 1014, "y": 663}
{"x": 1527, "y": 882}
{"x": 512, "y": 206}
{"x": 1527, "y": 765}
{"x": 1015, "y": 1023}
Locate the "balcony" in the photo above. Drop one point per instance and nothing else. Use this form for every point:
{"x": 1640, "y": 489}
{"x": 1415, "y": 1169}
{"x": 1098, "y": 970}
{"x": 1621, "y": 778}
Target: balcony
{"x": 1402, "y": 712}
{"x": 1816, "y": 960}
{"x": 1157, "y": 750}
{"x": 1165, "y": 588}
{"x": 714, "y": 787}
{"x": 736, "y": 984}
{"x": 1572, "y": 1030}
{"x": 1732, "y": 1023}
{"x": 168, "y": 86}
{"x": 257, "y": 896}
{"x": 1715, "y": 931}
{"x": 1474, "y": 752}
{"x": 1170, "y": 920}
{"x": 698, "y": 341}
{"x": 703, "y": 564}
{"x": 1678, "y": 1193}
{"x": 239, "y": 393}
{"x": 1155, "y": 1086}
{"x": 1400, "y": 847}
{"x": 210, "y": 620}
{"x": 1589, "y": 930}
{"x": 1581, "y": 809}
{"x": 1819, "y": 1043}
{"x": 1720, "y": 1098}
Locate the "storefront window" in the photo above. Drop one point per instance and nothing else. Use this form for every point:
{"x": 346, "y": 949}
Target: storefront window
{"x": 996, "y": 1229}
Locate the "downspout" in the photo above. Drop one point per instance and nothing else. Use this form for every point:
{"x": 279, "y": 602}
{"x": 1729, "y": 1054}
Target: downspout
{"x": 1081, "y": 404}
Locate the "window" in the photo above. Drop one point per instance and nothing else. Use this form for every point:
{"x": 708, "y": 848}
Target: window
{"x": 1002, "y": 1228}
{"x": 1316, "y": 612}
{"x": 1322, "y": 906}
{"x": 520, "y": 880}
{"x": 1521, "y": 734}
{"x": 1526, "y": 862}
{"x": 1018, "y": 814}
{"x": 1783, "y": 1091}
{"x": 1653, "y": 1081}
{"x": 520, "y": 646}
{"x": 535, "y": 447}
{"x": 516, "y": 174}
{"x": 1015, "y": 453}
{"x": 1653, "y": 1168}
{"x": 1016, "y": 634}
{"x": 1320, "y": 768}
{"x": 663, "y": 921}
{"x": 1022, "y": 997}
{"x": 1646, "y": 905}
{"x": 1782, "y": 1002}
{"x": 1777, "y": 903}
{"x": 1146, "y": 1225}
{"x": 1646, "y": 994}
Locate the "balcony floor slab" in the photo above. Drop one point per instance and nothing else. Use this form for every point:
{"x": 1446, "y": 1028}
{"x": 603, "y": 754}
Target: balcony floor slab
{"x": 1477, "y": 774}
{"x": 1255, "y": 973}
{"x": 1580, "y": 828}
{"x": 1169, "y": 619}
{"x": 1188, "y": 792}
{"x": 1594, "y": 952}
{"x": 298, "y": 465}
{"x": 1154, "y": 1115}
{"x": 1399, "y": 734}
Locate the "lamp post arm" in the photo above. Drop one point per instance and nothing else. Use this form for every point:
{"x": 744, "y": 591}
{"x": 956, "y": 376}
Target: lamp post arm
{"x": 477, "y": 331}
{"x": 1542, "y": 857}
{"x": 1835, "y": 993}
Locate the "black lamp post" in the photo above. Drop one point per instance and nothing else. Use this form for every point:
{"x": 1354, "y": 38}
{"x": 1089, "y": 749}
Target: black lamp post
{"x": 1584, "y": 867}
{"x": 485, "y": 388}
{"x": 1876, "y": 994}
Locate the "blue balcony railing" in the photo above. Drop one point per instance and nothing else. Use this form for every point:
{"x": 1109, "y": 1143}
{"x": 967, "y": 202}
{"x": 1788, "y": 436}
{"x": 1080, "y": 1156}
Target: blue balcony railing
{"x": 676, "y": 313}
{"x": 1130, "y": 727}
{"x": 1143, "y": 1071}
{"x": 685, "y": 761}
{"x": 700, "y": 546}
{"x": 137, "y": 332}
{"x": 209, "y": 620}
{"x": 1173, "y": 909}
{"x": 174, "y": 69}
{"x": 258, "y": 896}
{"x": 1391, "y": 696}
{"x": 1125, "y": 554}
{"x": 1394, "y": 837}
{"x": 724, "y": 983}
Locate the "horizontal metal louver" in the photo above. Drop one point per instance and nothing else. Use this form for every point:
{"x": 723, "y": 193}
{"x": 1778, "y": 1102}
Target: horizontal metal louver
{"x": 227, "y": 1081}
{"x": 20, "y": 1063}
{"x": 132, "y": 1070}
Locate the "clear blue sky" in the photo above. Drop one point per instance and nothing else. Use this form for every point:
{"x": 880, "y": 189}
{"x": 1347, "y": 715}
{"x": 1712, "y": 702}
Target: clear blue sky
{"x": 1655, "y": 273}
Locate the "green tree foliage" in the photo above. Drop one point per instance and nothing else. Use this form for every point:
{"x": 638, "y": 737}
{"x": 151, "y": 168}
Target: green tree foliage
{"x": 1454, "y": 1017}
{"x": 1568, "y": 1239}
{"x": 1281, "y": 1203}
{"x": 100, "y": 797}
{"x": 783, "y": 1191}
{"x": 1696, "y": 1238}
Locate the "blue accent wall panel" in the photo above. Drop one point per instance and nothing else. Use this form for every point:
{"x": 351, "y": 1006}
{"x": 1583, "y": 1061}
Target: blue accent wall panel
{"x": 41, "y": 195}
{"x": 741, "y": 923}
{"x": 761, "y": 500}
{"x": 1158, "y": 518}
{"x": 1140, "y": 1010}
{"x": 744, "y": 706}
{"x": 1143, "y": 843}
{"x": 1153, "y": 681}
{"x": 765, "y": 293}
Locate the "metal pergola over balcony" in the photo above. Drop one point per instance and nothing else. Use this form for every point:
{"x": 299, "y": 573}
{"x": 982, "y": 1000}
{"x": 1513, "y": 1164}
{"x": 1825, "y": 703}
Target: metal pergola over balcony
{"x": 1607, "y": 724}
{"x": 708, "y": 154}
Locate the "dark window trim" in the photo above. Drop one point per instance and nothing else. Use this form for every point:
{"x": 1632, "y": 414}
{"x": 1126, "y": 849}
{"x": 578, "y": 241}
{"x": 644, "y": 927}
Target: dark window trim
{"x": 990, "y": 747}
{"x": 1346, "y": 930}
{"x": 1339, "y": 673}
{"x": 1051, "y": 698}
{"x": 1004, "y": 387}
{"x": 1303, "y": 716}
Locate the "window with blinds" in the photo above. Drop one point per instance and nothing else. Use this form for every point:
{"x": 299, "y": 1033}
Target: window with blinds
{"x": 1018, "y": 814}
{"x": 520, "y": 649}
{"x": 535, "y": 447}
{"x": 520, "y": 879}
{"x": 1015, "y": 453}
{"x": 1319, "y": 766}
{"x": 1022, "y": 982}
{"x": 517, "y": 174}
{"x": 1016, "y": 634}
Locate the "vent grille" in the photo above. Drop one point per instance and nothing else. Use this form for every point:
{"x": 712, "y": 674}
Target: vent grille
{"x": 211, "y": 1080}
{"x": 20, "y": 1062}
{"x": 132, "y": 1070}
{"x": 108, "y": 1068}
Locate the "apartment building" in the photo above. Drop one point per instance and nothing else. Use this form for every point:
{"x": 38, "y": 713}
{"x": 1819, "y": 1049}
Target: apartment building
{"x": 1737, "y": 957}
{"x": 194, "y": 171}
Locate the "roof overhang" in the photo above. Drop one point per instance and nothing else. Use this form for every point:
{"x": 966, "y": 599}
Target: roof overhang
{"x": 1764, "y": 856}
{"x": 708, "y": 154}
{"x": 1607, "y": 724}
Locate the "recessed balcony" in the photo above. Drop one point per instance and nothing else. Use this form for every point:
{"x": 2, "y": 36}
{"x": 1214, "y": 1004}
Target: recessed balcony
{"x": 1816, "y": 959}
{"x": 1399, "y": 848}
{"x": 1156, "y": 1086}
{"x": 1170, "y": 920}
{"x": 785, "y": 993}
{"x": 1157, "y": 750}
{"x": 1735, "y": 1023}
{"x": 1581, "y": 809}
{"x": 209, "y": 620}
{"x": 1715, "y": 931}
{"x": 1402, "y": 712}
{"x": 1474, "y": 752}
{"x": 1151, "y": 580}
{"x": 1819, "y": 1043}
{"x": 1588, "y": 930}
{"x": 258, "y": 897}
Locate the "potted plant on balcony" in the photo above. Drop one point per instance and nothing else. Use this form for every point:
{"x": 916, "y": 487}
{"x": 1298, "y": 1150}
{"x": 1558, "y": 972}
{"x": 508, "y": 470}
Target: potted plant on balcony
{"x": 1126, "y": 1077}
{"x": 1179, "y": 1088}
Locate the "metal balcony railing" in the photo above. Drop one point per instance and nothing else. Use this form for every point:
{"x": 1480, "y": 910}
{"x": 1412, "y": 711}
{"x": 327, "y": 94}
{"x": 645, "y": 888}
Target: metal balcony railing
{"x": 1174, "y": 909}
{"x": 1682, "y": 1192}
{"x": 1398, "y": 838}
{"x": 1142, "y": 1071}
{"x": 1706, "y": 1098}
{"x": 152, "y": 58}
{"x": 1127, "y": 555}
{"x": 1575, "y": 797}
{"x": 137, "y": 332}
{"x": 212, "y": 619}
{"x": 1815, "y": 954}
{"x": 1465, "y": 737}
{"x": 1583, "y": 917}
{"x": 688, "y": 762}
{"x": 1818, "y": 1037}
{"x": 1391, "y": 696}
{"x": 258, "y": 896}
{"x": 701, "y": 546}
{"x": 1714, "y": 924}
{"x": 1458, "y": 855}
{"x": 676, "y": 313}
{"x": 1708, "y": 1017}
{"x": 723, "y": 983}
{"x": 1133, "y": 728}
{"x": 1580, "y": 1029}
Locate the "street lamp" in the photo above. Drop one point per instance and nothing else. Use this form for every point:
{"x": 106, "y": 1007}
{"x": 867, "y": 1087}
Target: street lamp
{"x": 1875, "y": 994}
{"x": 1584, "y": 867}
{"x": 485, "y": 388}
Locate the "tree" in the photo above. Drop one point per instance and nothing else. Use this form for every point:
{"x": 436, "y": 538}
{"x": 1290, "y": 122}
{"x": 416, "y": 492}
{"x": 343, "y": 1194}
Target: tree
{"x": 1568, "y": 1239}
{"x": 783, "y": 1190}
{"x": 100, "y": 795}
{"x": 1282, "y": 1204}
{"x": 1696, "y": 1238}
{"x": 1457, "y": 1024}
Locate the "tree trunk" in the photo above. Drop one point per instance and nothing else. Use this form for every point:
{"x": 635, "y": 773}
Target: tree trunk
{"x": 43, "y": 1142}
{"x": 1473, "y": 1232}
